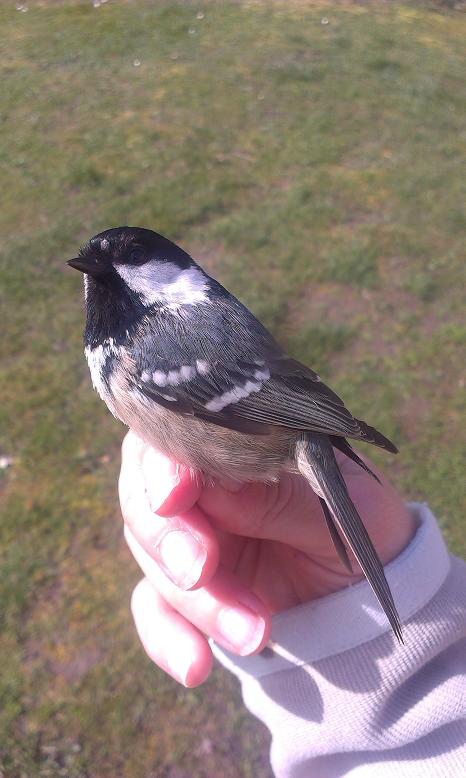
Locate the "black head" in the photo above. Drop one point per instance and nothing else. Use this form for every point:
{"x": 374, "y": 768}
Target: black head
{"x": 130, "y": 272}
{"x": 132, "y": 246}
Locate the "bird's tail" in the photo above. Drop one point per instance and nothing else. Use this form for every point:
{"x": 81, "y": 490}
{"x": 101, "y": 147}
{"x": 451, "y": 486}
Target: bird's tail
{"x": 316, "y": 461}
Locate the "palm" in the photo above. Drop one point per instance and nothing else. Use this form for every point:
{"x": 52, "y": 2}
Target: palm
{"x": 280, "y": 575}
{"x": 306, "y": 566}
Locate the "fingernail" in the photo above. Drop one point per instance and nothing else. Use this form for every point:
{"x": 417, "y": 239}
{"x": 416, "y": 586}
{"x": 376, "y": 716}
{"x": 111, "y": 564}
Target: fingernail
{"x": 161, "y": 477}
{"x": 183, "y": 558}
{"x": 242, "y": 629}
{"x": 179, "y": 661}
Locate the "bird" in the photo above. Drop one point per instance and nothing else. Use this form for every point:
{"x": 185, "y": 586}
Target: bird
{"x": 184, "y": 364}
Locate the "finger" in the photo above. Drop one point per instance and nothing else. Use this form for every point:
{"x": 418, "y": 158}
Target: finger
{"x": 186, "y": 546}
{"x": 169, "y": 639}
{"x": 223, "y": 609}
{"x": 171, "y": 488}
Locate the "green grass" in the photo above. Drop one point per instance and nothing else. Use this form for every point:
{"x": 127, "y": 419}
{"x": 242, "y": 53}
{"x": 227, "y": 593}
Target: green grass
{"x": 315, "y": 169}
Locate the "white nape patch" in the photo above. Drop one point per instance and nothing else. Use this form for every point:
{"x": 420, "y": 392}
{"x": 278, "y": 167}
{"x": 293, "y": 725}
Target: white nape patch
{"x": 233, "y": 396}
{"x": 104, "y": 244}
{"x": 202, "y": 366}
{"x": 164, "y": 283}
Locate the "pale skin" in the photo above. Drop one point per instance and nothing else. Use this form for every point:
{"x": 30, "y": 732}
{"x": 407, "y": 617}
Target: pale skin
{"x": 219, "y": 560}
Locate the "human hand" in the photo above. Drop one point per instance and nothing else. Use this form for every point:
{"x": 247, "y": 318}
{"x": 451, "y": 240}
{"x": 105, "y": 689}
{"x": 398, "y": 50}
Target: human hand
{"x": 219, "y": 560}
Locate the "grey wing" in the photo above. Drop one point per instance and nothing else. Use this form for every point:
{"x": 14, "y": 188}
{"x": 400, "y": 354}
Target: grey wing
{"x": 234, "y": 374}
{"x": 295, "y": 397}
{"x": 252, "y": 396}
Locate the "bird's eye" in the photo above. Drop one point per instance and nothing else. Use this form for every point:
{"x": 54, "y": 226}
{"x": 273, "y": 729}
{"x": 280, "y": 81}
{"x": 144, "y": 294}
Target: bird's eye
{"x": 136, "y": 256}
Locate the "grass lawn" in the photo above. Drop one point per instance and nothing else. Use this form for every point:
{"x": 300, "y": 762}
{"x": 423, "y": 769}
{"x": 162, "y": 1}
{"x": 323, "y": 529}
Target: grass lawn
{"x": 308, "y": 154}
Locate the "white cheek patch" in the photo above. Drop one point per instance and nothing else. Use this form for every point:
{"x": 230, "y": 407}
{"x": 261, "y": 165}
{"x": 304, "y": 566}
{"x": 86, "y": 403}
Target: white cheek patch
{"x": 164, "y": 283}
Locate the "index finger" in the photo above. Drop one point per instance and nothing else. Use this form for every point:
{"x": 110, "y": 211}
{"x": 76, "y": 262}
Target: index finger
{"x": 185, "y": 546}
{"x": 171, "y": 488}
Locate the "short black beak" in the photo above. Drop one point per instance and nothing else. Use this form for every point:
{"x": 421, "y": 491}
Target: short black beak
{"x": 88, "y": 265}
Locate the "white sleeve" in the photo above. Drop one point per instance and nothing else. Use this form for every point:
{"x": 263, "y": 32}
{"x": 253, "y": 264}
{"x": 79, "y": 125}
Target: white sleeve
{"x": 342, "y": 698}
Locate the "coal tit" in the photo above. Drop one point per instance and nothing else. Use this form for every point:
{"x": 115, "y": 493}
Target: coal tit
{"x": 189, "y": 368}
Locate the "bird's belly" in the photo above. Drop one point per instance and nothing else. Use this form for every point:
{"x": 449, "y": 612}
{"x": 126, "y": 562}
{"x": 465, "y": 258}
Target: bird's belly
{"x": 214, "y": 450}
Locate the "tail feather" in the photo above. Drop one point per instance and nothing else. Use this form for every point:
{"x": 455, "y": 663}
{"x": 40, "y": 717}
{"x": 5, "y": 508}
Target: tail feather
{"x": 371, "y": 435}
{"x": 316, "y": 461}
{"x": 340, "y": 547}
{"x": 342, "y": 445}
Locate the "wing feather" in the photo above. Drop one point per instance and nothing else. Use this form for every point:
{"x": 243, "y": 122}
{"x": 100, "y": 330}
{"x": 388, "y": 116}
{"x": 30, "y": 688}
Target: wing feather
{"x": 247, "y": 382}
